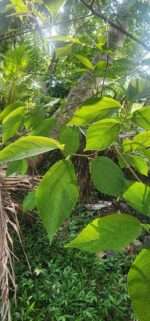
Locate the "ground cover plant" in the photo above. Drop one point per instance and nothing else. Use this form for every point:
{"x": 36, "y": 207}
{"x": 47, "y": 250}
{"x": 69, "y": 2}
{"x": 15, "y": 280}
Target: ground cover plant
{"x": 75, "y": 115}
{"x": 66, "y": 285}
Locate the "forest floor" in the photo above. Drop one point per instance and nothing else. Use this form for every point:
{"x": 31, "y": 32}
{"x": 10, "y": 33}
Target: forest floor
{"x": 68, "y": 284}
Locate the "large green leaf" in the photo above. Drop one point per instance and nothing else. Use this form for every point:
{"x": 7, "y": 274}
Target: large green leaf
{"x": 9, "y": 109}
{"x": 135, "y": 161}
{"x": 19, "y": 6}
{"x": 142, "y": 117}
{"x": 85, "y": 61}
{"x": 57, "y": 195}
{"x": 93, "y": 110}
{"x": 113, "y": 232}
{"x": 100, "y": 68}
{"x": 139, "y": 285}
{"x": 137, "y": 195}
{"x": 34, "y": 117}
{"x": 54, "y": 5}
{"x": 44, "y": 127}
{"x": 71, "y": 139}
{"x": 11, "y": 123}
{"x": 102, "y": 134}
{"x": 18, "y": 166}
{"x": 107, "y": 176}
{"x": 138, "y": 89}
{"x": 64, "y": 51}
{"x": 29, "y": 202}
{"x": 141, "y": 140}
{"x": 27, "y": 147}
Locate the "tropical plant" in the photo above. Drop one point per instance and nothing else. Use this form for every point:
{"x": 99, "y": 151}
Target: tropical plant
{"x": 107, "y": 107}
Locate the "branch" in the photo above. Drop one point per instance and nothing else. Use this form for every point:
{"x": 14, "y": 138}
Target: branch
{"x": 11, "y": 35}
{"x": 117, "y": 152}
{"x": 115, "y": 26}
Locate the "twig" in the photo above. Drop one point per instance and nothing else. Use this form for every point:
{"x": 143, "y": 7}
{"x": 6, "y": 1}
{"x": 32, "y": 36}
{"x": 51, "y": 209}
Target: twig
{"x": 83, "y": 155}
{"x": 11, "y": 35}
{"x": 126, "y": 163}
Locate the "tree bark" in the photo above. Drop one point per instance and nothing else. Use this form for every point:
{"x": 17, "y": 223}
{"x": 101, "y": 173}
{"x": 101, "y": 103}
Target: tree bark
{"x": 88, "y": 83}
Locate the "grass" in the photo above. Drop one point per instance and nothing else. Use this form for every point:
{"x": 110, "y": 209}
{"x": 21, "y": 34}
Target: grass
{"x": 68, "y": 284}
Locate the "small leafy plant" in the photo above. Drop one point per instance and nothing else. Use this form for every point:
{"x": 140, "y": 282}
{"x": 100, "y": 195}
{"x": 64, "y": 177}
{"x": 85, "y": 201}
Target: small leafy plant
{"x": 112, "y": 116}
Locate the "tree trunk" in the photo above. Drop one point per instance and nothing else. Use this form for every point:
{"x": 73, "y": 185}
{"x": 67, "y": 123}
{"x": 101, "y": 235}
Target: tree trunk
{"x": 80, "y": 93}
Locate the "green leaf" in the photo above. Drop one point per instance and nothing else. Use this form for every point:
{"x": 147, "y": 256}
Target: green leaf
{"x": 137, "y": 195}
{"x": 138, "y": 89}
{"x": 85, "y": 61}
{"x": 29, "y": 202}
{"x": 9, "y": 109}
{"x": 146, "y": 227}
{"x": 113, "y": 232}
{"x": 19, "y": 166}
{"x": 142, "y": 117}
{"x": 27, "y": 147}
{"x": 44, "y": 128}
{"x": 11, "y": 123}
{"x": 64, "y": 51}
{"x": 146, "y": 153}
{"x": 100, "y": 67}
{"x": 65, "y": 39}
{"x": 136, "y": 162}
{"x": 19, "y": 6}
{"x": 139, "y": 285}
{"x": 141, "y": 140}
{"x": 107, "y": 176}
{"x": 101, "y": 46}
{"x": 102, "y": 134}
{"x": 57, "y": 195}
{"x": 127, "y": 145}
{"x": 93, "y": 110}
{"x": 34, "y": 117}
{"x": 71, "y": 139}
{"x": 54, "y": 5}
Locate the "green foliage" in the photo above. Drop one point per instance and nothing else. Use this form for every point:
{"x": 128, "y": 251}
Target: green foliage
{"x": 66, "y": 39}
{"x": 18, "y": 166}
{"x": 113, "y": 232}
{"x": 142, "y": 117}
{"x": 100, "y": 68}
{"x": 11, "y": 123}
{"x": 66, "y": 284}
{"x": 57, "y": 195}
{"x": 44, "y": 127}
{"x": 137, "y": 195}
{"x": 20, "y": 7}
{"x": 102, "y": 134}
{"x": 54, "y": 5}
{"x": 93, "y": 110}
{"x": 10, "y": 108}
{"x": 138, "y": 284}
{"x": 138, "y": 89}
{"x": 141, "y": 140}
{"x": 27, "y": 147}
{"x": 107, "y": 176}
{"x": 114, "y": 121}
{"x": 85, "y": 61}
{"x": 29, "y": 202}
{"x": 71, "y": 139}
{"x": 34, "y": 118}
{"x": 136, "y": 162}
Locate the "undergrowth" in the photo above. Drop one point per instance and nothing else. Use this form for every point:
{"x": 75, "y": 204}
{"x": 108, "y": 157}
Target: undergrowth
{"x": 68, "y": 284}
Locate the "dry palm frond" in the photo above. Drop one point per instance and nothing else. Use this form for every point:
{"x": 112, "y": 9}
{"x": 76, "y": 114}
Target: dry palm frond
{"x": 11, "y": 183}
{"x": 9, "y": 220}
{"x": 6, "y": 262}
